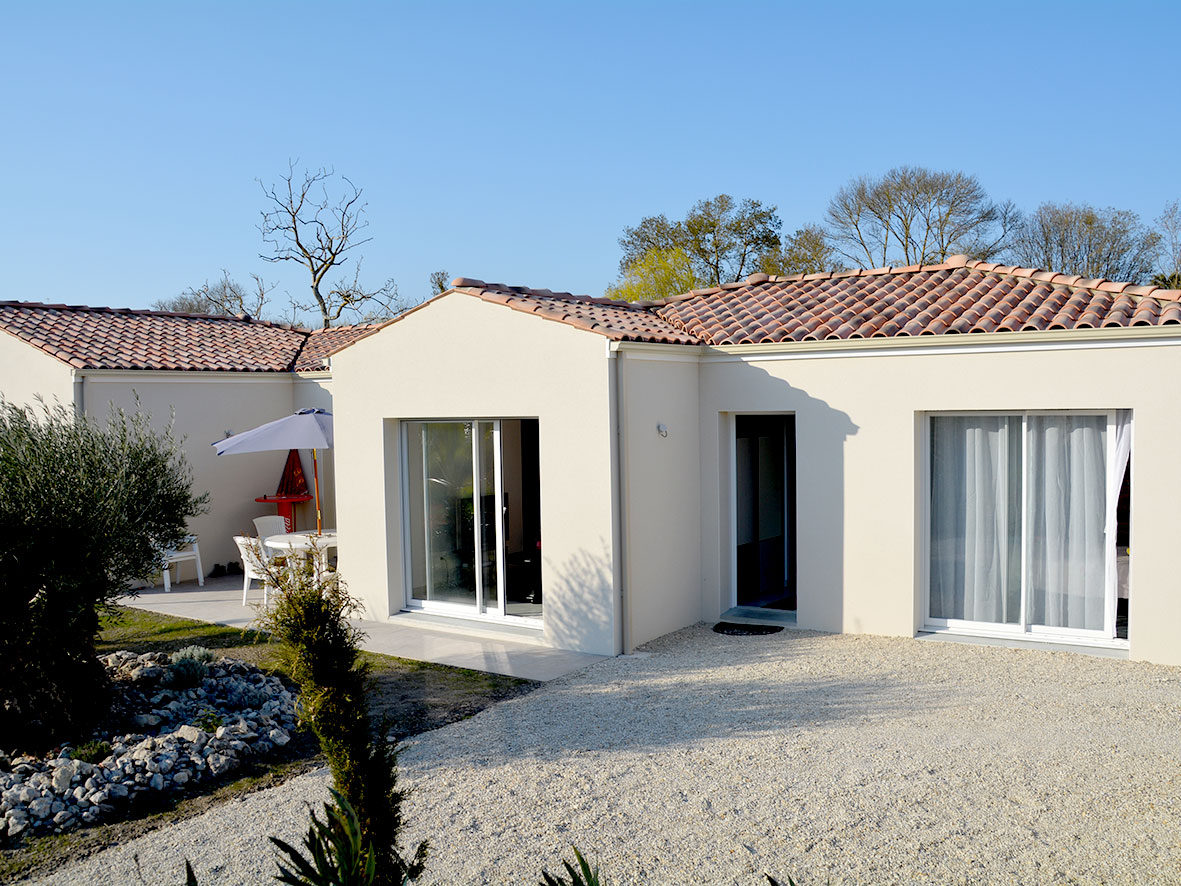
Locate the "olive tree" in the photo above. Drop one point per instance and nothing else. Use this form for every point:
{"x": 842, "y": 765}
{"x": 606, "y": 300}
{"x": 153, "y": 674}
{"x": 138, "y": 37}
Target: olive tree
{"x": 86, "y": 508}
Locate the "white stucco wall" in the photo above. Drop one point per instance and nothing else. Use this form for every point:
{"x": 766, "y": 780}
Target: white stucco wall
{"x": 26, "y": 371}
{"x": 206, "y": 405}
{"x": 313, "y": 390}
{"x": 461, "y": 358}
{"x": 860, "y": 453}
{"x": 661, "y": 489}
{"x": 861, "y": 458}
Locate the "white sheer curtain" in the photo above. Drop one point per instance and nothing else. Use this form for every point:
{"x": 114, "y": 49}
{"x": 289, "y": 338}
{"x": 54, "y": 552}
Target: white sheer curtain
{"x": 976, "y": 518}
{"x": 1066, "y": 519}
{"x": 1121, "y": 455}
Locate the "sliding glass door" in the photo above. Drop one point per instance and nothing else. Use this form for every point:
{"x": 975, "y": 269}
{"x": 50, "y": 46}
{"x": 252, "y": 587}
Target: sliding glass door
{"x": 1023, "y": 521}
{"x": 463, "y": 528}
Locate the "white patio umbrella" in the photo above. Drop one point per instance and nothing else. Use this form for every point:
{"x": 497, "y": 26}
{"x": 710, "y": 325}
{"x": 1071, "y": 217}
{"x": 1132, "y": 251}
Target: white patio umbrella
{"x": 306, "y": 429}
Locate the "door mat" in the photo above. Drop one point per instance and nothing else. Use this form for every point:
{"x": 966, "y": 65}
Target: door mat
{"x": 736, "y": 630}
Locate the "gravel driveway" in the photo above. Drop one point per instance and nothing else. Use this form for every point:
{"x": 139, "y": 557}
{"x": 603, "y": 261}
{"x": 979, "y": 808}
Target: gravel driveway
{"x": 713, "y": 759}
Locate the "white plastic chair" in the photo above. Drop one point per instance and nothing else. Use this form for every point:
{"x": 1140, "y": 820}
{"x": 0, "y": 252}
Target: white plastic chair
{"x": 252, "y": 567}
{"x": 268, "y": 526}
{"x": 190, "y": 550}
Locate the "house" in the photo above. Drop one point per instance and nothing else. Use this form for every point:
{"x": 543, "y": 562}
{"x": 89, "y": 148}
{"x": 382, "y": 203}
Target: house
{"x": 967, "y": 448}
{"x": 214, "y": 374}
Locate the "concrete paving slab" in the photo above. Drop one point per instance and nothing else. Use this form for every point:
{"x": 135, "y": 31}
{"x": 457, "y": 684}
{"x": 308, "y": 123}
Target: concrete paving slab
{"x": 220, "y": 602}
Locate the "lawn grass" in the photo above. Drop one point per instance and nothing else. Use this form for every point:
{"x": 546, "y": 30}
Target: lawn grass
{"x": 140, "y": 630}
{"x": 409, "y": 696}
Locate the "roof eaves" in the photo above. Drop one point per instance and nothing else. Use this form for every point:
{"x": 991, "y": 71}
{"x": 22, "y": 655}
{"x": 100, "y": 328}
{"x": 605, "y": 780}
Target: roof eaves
{"x": 42, "y": 346}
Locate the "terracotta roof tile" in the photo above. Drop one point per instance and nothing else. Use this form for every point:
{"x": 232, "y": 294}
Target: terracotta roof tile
{"x": 122, "y": 338}
{"x": 958, "y": 296}
{"x": 322, "y": 343}
{"x": 617, "y": 320}
{"x": 1170, "y": 313}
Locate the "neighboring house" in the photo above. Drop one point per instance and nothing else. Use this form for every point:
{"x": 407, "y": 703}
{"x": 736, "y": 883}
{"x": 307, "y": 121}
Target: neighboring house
{"x": 960, "y": 447}
{"x": 215, "y": 374}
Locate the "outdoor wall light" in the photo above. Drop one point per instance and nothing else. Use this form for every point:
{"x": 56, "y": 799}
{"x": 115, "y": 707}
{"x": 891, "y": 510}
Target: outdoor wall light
{"x": 662, "y": 430}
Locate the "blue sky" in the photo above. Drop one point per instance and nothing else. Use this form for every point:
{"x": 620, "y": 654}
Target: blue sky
{"x": 514, "y": 142}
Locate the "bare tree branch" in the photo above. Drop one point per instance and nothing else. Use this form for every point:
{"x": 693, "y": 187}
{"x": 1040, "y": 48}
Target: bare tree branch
{"x": 222, "y": 297}
{"x": 304, "y": 224}
{"x": 440, "y": 281}
{"x": 362, "y": 304}
{"x": 1079, "y": 239}
{"x": 1168, "y": 223}
{"x": 913, "y": 215}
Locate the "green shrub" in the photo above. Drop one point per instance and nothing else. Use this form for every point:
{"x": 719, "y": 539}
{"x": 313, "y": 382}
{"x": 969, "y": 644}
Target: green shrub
{"x": 321, "y": 651}
{"x": 583, "y": 875}
{"x": 196, "y": 653}
{"x": 85, "y": 509}
{"x": 338, "y": 854}
{"x": 208, "y": 720}
{"x": 185, "y": 673}
{"x": 91, "y": 752}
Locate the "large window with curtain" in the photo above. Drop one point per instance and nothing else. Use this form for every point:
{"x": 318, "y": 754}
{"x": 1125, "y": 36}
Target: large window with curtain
{"x": 1023, "y": 521}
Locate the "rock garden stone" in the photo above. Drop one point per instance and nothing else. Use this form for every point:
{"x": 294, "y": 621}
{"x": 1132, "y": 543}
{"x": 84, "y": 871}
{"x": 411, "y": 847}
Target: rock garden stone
{"x": 169, "y": 750}
{"x": 61, "y": 779}
{"x": 189, "y": 733}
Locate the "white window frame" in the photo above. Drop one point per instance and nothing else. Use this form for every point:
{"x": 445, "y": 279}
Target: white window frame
{"x": 480, "y": 610}
{"x": 1023, "y": 629}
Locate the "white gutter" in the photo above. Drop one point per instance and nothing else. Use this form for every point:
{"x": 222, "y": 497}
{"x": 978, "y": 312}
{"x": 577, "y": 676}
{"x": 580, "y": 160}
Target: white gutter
{"x": 80, "y": 393}
{"x": 967, "y": 343}
{"x": 172, "y": 376}
{"x": 620, "y": 495}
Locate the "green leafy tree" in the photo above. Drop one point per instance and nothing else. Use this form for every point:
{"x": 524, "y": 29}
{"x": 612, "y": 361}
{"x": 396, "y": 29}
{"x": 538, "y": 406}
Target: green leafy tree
{"x": 86, "y": 508}
{"x": 660, "y": 273}
{"x": 808, "y": 251}
{"x": 724, "y": 239}
{"x": 1079, "y": 239}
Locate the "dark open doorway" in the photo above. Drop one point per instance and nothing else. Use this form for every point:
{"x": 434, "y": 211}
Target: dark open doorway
{"x": 1123, "y": 550}
{"x": 521, "y": 460}
{"x": 765, "y": 492}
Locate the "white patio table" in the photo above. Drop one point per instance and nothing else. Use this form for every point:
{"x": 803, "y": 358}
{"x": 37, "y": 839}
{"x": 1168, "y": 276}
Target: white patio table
{"x": 304, "y": 543}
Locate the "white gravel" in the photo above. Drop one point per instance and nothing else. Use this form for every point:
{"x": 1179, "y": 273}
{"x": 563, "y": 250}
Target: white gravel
{"x": 713, "y": 759}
